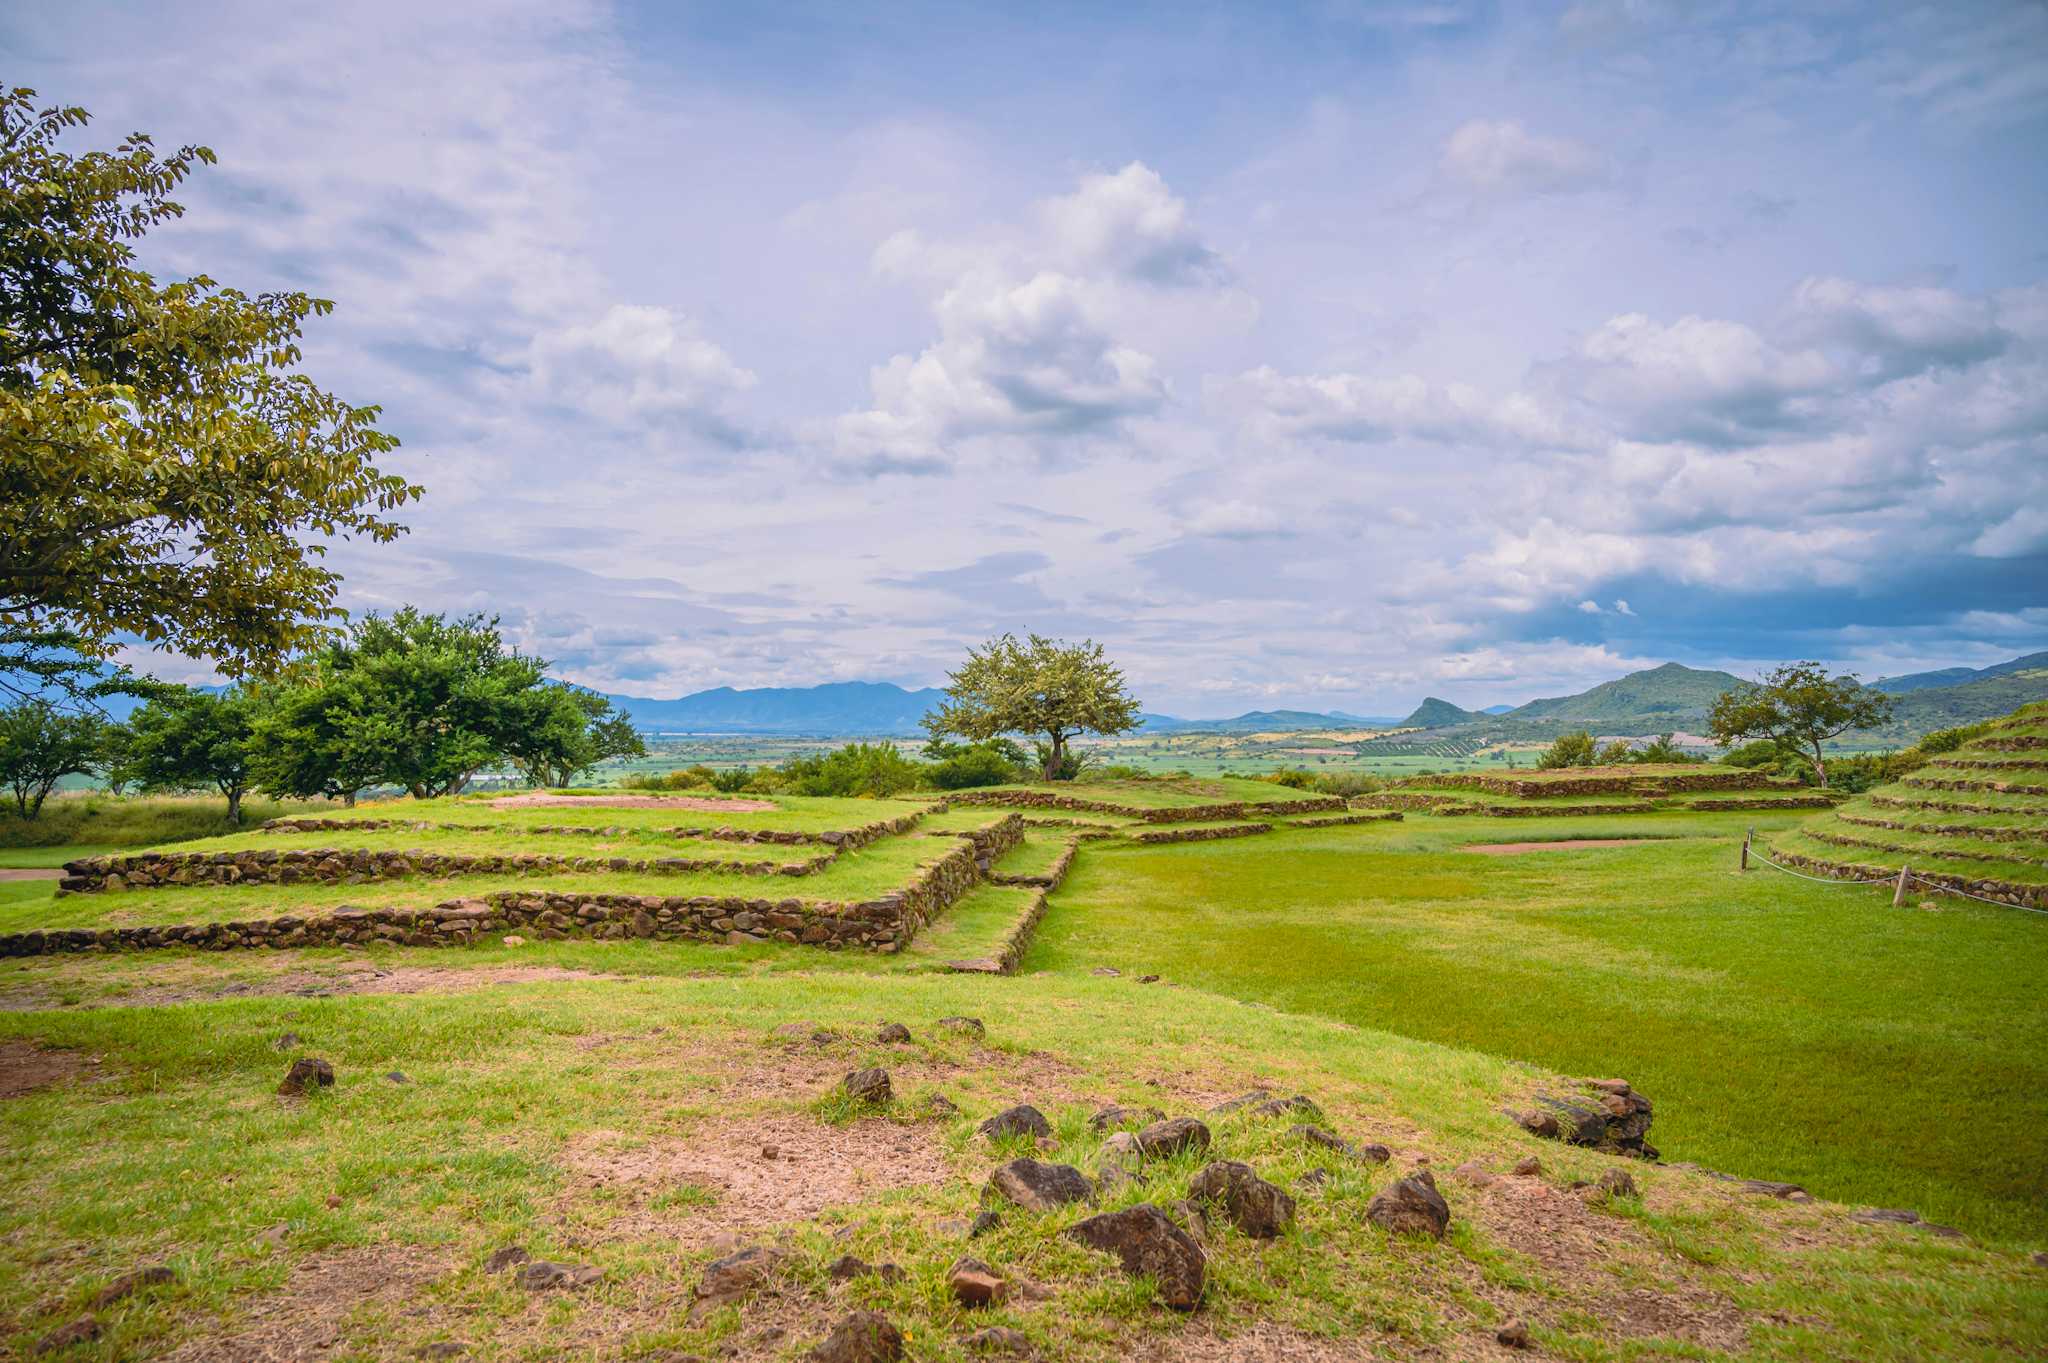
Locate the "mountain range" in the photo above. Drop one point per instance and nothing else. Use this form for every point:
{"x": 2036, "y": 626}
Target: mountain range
{"x": 1961, "y": 676}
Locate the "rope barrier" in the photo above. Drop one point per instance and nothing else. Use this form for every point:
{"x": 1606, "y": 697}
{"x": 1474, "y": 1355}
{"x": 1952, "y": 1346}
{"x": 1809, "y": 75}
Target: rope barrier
{"x": 1911, "y": 875}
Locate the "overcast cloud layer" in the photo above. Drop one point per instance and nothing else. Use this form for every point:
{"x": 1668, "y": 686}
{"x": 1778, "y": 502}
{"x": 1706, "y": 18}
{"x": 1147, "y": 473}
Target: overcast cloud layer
{"x": 1323, "y": 357}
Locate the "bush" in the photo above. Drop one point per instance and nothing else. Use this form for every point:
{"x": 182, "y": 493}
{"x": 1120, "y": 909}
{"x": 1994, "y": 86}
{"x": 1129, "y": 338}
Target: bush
{"x": 1067, "y": 767}
{"x": 1570, "y": 750}
{"x": 685, "y": 778}
{"x": 1120, "y": 771}
{"x": 872, "y": 769}
{"x": 732, "y": 780}
{"x": 1948, "y": 740}
{"x": 1294, "y": 778}
{"x": 1348, "y": 783}
{"x": 978, "y": 765}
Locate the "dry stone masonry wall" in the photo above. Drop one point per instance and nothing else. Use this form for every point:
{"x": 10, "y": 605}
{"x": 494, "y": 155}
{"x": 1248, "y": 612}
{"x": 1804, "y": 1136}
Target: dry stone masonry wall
{"x": 343, "y": 866}
{"x": 845, "y": 839}
{"x": 1210, "y": 834}
{"x": 1613, "y": 783}
{"x": 1233, "y": 809}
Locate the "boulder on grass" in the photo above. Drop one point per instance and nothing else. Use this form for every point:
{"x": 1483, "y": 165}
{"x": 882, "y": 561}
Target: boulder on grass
{"x": 1038, "y": 1187}
{"x": 1411, "y": 1206}
{"x": 307, "y": 1073}
{"x": 1172, "y": 1136}
{"x": 1256, "y": 1207}
{"x": 1021, "y": 1120}
{"x": 974, "y": 1283}
{"x": 1147, "y": 1243}
{"x": 862, "y": 1337}
{"x": 738, "y": 1273}
{"x": 1608, "y": 1115}
{"x": 869, "y": 1087}
{"x": 1114, "y": 1116}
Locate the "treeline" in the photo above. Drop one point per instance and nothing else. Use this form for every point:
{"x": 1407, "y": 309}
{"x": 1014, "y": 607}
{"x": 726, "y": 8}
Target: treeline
{"x": 416, "y": 701}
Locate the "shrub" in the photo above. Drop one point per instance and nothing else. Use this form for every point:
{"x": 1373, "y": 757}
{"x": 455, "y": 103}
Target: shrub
{"x": 978, "y": 765}
{"x": 1570, "y": 750}
{"x": 1348, "y": 783}
{"x": 685, "y": 778}
{"x": 1294, "y": 778}
{"x": 733, "y": 780}
{"x": 872, "y": 769}
{"x": 1119, "y": 771}
{"x": 1948, "y": 740}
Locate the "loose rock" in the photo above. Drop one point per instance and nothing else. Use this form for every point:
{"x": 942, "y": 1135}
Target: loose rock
{"x": 1281, "y": 1107}
{"x": 64, "y": 1336}
{"x": 974, "y": 1283}
{"x": 128, "y": 1284}
{"x": 288, "y": 1042}
{"x": 505, "y": 1258}
{"x": 892, "y": 1033}
{"x": 307, "y": 1072}
{"x": 1148, "y": 1244}
{"x": 1021, "y": 1120}
{"x": 1106, "y": 971}
{"x": 863, "y": 1337}
{"x": 398, "y": 1077}
{"x": 1515, "y": 1334}
{"x": 1243, "y": 1100}
{"x": 1617, "y": 1183}
{"x": 1789, "y": 1192}
{"x": 1474, "y": 1173}
{"x": 1113, "y": 1116}
{"x": 971, "y": 1026}
{"x": 984, "y": 1222}
{"x": 1411, "y": 1206}
{"x": 1528, "y": 1166}
{"x": 869, "y": 1087}
{"x": 541, "y": 1276}
{"x": 1037, "y": 1187}
{"x": 999, "y": 1339}
{"x": 738, "y": 1273}
{"x": 1256, "y": 1207}
{"x": 1611, "y": 1117}
{"x": 1172, "y": 1136}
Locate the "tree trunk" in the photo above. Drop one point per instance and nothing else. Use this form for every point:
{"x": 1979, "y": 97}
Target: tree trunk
{"x": 235, "y": 805}
{"x": 1057, "y": 756}
{"x": 1820, "y": 768}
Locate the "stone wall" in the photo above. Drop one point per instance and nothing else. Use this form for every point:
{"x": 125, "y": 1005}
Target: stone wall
{"x": 344, "y": 866}
{"x": 1233, "y": 809}
{"x": 1049, "y": 878}
{"x": 1993, "y": 763}
{"x": 2000, "y": 891}
{"x": 1815, "y": 801}
{"x": 845, "y": 839}
{"x": 881, "y": 924}
{"x": 2011, "y": 743}
{"x": 1982, "y": 832}
{"x": 1964, "y": 783}
{"x": 1610, "y": 781}
{"x": 1334, "y": 820}
{"x": 1232, "y": 830}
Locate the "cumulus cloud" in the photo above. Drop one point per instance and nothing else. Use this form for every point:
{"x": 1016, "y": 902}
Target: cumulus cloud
{"x": 633, "y": 365}
{"x": 1500, "y": 157}
{"x": 1029, "y": 345}
{"x": 1698, "y": 378}
{"x": 1374, "y": 408}
{"x": 1897, "y": 330}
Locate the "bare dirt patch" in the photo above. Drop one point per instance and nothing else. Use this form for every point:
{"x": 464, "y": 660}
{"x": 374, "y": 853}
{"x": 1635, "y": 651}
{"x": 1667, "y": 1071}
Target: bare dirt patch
{"x": 1515, "y": 849}
{"x": 539, "y": 800}
{"x": 26, "y": 1067}
{"x": 351, "y": 979}
{"x": 813, "y": 1167}
{"x": 318, "y": 1312}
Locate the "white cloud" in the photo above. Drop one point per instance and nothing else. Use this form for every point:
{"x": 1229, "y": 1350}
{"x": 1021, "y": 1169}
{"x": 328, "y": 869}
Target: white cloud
{"x": 632, "y": 365}
{"x": 1501, "y": 157}
{"x": 1697, "y": 378}
{"x": 1129, "y": 223}
{"x": 1374, "y": 409}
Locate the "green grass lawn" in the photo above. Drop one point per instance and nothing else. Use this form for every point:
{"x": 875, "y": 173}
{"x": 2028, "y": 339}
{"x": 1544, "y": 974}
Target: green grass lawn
{"x": 1036, "y": 854}
{"x": 1785, "y": 1029}
{"x": 636, "y": 843}
{"x": 1170, "y": 794}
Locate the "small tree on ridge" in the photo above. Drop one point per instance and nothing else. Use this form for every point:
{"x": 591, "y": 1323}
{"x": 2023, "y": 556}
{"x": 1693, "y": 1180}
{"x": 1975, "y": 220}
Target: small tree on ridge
{"x": 1801, "y": 706}
{"x": 1042, "y": 687}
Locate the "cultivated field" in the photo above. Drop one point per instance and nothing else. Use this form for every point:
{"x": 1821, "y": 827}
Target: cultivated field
{"x": 588, "y": 1093}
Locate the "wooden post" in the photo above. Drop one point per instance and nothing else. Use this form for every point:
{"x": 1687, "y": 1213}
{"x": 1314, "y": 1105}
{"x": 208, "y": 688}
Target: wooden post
{"x": 1745, "y": 847}
{"x": 1899, "y": 894}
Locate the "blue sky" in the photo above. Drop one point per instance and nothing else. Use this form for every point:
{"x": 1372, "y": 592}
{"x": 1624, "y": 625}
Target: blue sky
{"x": 1322, "y": 356}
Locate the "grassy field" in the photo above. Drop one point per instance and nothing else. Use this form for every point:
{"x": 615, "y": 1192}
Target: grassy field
{"x": 612, "y": 1104}
{"x": 1786, "y": 1029}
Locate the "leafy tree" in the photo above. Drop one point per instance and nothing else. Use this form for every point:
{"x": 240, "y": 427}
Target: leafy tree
{"x": 1620, "y": 751}
{"x": 1569, "y": 750}
{"x": 184, "y": 738}
{"x": 308, "y": 742}
{"x": 566, "y": 731}
{"x": 418, "y": 701}
{"x": 1042, "y": 687}
{"x": 40, "y": 745}
{"x": 162, "y": 460}
{"x": 1802, "y": 707}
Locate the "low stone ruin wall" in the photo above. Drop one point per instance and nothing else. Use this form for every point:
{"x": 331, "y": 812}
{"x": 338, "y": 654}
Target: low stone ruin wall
{"x": 1999, "y": 891}
{"x": 343, "y": 866}
{"x": 1449, "y": 806}
{"x": 1233, "y": 830}
{"x": 1414, "y": 800}
{"x": 1986, "y": 833}
{"x": 1049, "y": 878}
{"x": 1612, "y": 784}
{"x": 1941, "y": 806}
{"x": 1787, "y": 802}
{"x": 1873, "y": 844}
{"x": 881, "y": 924}
{"x": 1993, "y": 763}
{"x": 1234, "y": 809}
{"x": 1335, "y": 820}
{"x": 2011, "y": 743}
{"x": 845, "y": 839}
{"x": 1969, "y": 783}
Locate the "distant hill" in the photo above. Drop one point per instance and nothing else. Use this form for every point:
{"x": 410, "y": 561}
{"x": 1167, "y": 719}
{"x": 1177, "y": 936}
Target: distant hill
{"x": 1437, "y": 714}
{"x": 1494, "y": 709}
{"x": 1943, "y": 707}
{"x": 1960, "y": 676}
{"x": 835, "y": 708}
{"x": 1253, "y": 721}
{"x": 1668, "y": 694}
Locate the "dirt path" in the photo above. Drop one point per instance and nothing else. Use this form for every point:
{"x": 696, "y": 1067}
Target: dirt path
{"x": 1515, "y": 849}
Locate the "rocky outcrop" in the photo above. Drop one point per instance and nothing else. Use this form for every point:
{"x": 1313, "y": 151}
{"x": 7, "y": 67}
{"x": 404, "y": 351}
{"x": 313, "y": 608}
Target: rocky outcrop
{"x": 1604, "y": 1114}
